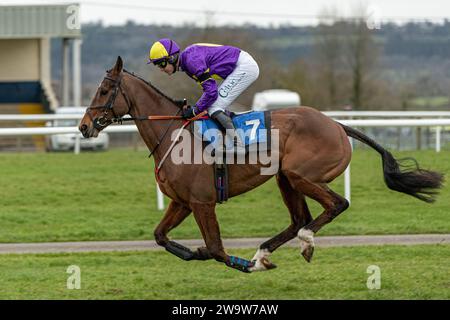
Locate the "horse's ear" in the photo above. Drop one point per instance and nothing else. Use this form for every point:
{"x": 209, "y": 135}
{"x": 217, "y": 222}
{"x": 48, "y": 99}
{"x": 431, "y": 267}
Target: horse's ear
{"x": 118, "y": 66}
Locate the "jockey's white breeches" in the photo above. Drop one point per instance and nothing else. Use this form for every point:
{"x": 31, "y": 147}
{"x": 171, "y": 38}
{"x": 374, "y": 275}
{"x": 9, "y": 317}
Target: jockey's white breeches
{"x": 245, "y": 73}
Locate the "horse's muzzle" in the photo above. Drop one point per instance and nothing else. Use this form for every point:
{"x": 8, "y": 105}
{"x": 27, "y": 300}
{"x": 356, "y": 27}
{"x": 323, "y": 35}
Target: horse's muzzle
{"x": 88, "y": 131}
{"x": 84, "y": 130}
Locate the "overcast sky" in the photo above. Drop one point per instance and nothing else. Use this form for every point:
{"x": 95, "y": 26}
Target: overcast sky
{"x": 260, "y": 12}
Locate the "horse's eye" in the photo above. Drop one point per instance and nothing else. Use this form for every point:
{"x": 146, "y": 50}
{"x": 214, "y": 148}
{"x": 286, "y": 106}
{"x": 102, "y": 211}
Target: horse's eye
{"x": 103, "y": 92}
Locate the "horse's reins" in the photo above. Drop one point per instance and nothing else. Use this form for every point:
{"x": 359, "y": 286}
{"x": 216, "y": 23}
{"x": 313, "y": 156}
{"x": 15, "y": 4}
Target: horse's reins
{"x": 102, "y": 122}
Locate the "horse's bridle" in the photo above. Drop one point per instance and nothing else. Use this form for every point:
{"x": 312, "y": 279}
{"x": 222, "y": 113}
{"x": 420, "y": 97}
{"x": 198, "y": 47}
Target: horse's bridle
{"x": 102, "y": 122}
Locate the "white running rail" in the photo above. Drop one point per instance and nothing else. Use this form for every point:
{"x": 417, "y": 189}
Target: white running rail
{"x": 438, "y": 123}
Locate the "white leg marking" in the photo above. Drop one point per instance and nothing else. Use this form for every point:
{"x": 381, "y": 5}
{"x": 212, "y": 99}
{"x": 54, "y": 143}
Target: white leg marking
{"x": 260, "y": 254}
{"x": 306, "y": 238}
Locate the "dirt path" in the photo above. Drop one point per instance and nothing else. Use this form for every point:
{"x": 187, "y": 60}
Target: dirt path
{"x": 334, "y": 241}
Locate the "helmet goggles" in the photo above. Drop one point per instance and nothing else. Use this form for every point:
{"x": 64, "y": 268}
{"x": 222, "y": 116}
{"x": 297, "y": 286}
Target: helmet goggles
{"x": 161, "y": 63}
{"x": 163, "y": 52}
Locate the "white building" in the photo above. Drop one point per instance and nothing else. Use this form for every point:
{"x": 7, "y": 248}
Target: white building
{"x": 275, "y": 99}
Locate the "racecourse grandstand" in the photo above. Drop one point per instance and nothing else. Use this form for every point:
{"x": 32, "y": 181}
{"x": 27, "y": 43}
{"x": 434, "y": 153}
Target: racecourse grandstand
{"x": 25, "y": 64}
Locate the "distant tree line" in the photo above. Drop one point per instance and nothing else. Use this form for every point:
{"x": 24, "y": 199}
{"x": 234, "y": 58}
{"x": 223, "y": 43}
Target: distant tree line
{"x": 335, "y": 65}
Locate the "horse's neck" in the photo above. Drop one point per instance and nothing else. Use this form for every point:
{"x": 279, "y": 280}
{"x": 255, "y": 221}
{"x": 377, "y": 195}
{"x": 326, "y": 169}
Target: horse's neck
{"x": 147, "y": 101}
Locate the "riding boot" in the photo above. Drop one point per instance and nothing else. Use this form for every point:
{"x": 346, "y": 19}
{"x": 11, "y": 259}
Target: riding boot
{"x": 227, "y": 124}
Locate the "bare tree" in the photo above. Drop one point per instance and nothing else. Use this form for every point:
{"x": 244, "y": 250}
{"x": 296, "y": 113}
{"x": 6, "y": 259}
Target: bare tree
{"x": 361, "y": 55}
{"x": 328, "y": 54}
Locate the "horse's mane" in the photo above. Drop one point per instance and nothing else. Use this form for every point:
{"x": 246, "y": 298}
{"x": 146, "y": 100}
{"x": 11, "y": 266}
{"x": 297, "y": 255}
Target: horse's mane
{"x": 150, "y": 85}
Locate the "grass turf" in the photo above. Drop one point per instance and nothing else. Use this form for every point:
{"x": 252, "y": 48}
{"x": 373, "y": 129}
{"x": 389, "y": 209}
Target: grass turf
{"x": 407, "y": 272}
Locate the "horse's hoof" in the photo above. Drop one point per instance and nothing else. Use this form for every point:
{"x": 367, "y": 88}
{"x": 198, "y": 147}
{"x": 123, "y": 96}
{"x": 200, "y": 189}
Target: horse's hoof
{"x": 261, "y": 261}
{"x": 202, "y": 253}
{"x": 306, "y": 243}
{"x": 267, "y": 264}
{"x": 262, "y": 265}
{"x": 307, "y": 253}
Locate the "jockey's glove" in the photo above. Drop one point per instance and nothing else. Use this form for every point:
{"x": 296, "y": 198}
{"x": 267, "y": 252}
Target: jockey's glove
{"x": 189, "y": 112}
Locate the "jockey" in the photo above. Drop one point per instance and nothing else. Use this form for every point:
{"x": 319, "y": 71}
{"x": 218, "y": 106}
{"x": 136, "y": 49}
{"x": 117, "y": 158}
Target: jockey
{"x": 206, "y": 63}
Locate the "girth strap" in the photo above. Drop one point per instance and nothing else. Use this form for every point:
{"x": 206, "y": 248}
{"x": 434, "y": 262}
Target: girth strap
{"x": 221, "y": 181}
{"x": 221, "y": 178}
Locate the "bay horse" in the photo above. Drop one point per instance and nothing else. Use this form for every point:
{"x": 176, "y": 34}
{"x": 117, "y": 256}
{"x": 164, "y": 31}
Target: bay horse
{"x": 313, "y": 151}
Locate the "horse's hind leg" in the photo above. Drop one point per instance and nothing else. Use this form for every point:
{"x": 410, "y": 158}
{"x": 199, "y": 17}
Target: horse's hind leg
{"x": 333, "y": 204}
{"x": 175, "y": 214}
{"x": 300, "y": 216}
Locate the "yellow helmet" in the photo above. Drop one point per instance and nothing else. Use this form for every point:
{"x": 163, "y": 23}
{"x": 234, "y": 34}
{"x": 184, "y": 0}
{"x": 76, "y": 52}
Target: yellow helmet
{"x": 164, "y": 49}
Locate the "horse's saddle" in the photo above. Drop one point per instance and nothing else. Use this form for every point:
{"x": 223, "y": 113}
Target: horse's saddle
{"x": 253, "y": 129}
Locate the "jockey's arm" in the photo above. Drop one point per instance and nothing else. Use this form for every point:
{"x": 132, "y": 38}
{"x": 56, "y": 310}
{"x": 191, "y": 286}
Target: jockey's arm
{"x": 209, "y": 96}
{"x": 200, "y": 72}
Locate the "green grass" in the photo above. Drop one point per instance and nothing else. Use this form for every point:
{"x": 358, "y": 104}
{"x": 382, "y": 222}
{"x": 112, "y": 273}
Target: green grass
{"x": 111, "y": 195}
{"x": 407, "y": 272}
{"x": 435, "y": 101}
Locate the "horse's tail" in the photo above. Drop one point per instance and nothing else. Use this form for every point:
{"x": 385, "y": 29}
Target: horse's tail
{"x": 409, "y": 179}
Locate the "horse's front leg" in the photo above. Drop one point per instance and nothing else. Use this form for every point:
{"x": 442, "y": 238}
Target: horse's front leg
{"x": 174, "y": 215}
{"x": 205, "y": 216}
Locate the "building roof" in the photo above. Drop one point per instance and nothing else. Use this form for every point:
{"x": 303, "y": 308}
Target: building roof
{"x": 38, "y": 21}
